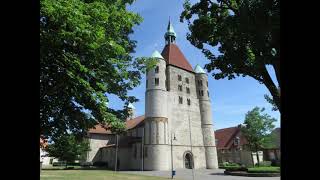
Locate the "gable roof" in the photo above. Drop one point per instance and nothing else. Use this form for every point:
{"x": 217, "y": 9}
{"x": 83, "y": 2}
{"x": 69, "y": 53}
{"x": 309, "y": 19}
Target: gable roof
{"x": 226, "y": 136}
{"x": 130, "y": 124}
{"x": 174, "y": 56}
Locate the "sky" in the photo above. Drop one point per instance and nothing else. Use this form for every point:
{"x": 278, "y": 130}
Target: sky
{"x": 230, "y": 99}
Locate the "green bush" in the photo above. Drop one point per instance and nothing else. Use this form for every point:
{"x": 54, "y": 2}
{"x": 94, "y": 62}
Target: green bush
{"x": 265, "y": 163}
{"x": 264, "y": 170}
{"x": 276, "y": 163}
{"x": 228, "y": 164}
{"x": 60, "y": 163}
{"x": 230, "y": 168}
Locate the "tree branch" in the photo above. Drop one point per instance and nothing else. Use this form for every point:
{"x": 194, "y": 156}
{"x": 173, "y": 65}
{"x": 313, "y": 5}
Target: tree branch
{"x": 271, "y": 87}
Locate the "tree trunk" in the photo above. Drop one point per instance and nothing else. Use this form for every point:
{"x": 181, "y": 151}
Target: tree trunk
{"x": 276, "y": 67}
{"x": 257, "y": 154}
{"x": 275, "y": 92}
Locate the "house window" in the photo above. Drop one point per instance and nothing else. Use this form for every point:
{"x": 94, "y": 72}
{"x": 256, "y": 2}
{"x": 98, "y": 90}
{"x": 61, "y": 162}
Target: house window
{"x": 188, "y": 90}
{"x": 179, "y": 77}
{"x": 157, "y": 69}
{"x": 180, "y": 87}
{"x": 156, "y": 81}
{"x": 187, "y": 80}
{"x": 180, "y": 100}
{"x": 189, "y": 102}
{"x": 237, "y": 141}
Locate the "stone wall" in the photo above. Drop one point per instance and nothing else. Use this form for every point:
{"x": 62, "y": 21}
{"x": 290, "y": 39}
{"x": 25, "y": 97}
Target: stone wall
{"x": 96, "y": 142}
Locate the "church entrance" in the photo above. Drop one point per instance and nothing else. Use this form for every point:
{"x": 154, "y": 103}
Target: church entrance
{"x": 188, "y": 160}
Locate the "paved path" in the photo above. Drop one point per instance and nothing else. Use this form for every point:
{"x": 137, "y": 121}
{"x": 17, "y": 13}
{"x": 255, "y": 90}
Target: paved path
{"x": 200, "y": 174}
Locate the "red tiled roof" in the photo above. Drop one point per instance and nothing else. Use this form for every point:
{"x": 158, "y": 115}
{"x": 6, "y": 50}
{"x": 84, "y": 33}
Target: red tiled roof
{"x": 134, "y": 122}
{"x": 226, "y": 136}
{"x": 99, "y": 129}
{"x": 174, "y": 56}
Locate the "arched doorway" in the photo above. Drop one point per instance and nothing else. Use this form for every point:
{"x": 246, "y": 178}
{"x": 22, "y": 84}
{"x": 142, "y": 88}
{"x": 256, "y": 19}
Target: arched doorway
{"x": 188, "y": 160}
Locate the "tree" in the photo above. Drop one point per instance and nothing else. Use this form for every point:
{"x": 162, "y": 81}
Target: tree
{"x": 85, "y": 56}
{"x": 256, "y": 128}
{"x": 247, "y": 34}
{"x": 68, "y": 148}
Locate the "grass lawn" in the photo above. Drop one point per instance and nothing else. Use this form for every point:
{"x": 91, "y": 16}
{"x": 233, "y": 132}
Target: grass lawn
{"x": 92, "y": 175}
{"x": 264, "y": 169}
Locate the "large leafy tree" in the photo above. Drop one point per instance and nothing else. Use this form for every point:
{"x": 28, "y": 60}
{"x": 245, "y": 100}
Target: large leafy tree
{"x": 256, "y": 129}
{"x": 247, "y": 33}
{"x": 85, "y": 55}
{"x": 68, "y": 148}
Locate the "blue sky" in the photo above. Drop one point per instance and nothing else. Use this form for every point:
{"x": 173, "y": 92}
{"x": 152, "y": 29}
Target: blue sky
{"x": 230, "y": 99}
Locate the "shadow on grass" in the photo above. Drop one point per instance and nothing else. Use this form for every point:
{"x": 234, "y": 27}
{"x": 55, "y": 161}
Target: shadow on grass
{"x": 220, "y": 174}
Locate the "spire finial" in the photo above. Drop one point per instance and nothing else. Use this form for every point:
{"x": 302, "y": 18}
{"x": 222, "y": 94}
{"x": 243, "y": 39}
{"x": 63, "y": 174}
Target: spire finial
{"x": 170, "y": 35}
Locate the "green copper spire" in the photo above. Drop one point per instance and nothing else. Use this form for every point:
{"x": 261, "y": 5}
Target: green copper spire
{"x": 199, "y": 70}
{"x": 156, "y": 54}
{"x": 170, "y": 35}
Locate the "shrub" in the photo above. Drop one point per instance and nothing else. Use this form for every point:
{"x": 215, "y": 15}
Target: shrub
{"x": 228, "y": 164}
{"x": 230, "y": 168}
{"x": 265, "y": 163}
{"x": 276, "y": 163}
{"x": 100, "y": 164}
{"x": 264, "y": 170}
{"x": 60, "y": 163}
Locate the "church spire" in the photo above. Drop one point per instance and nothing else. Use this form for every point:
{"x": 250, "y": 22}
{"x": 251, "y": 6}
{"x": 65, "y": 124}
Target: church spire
{"x": 170, "y": 35}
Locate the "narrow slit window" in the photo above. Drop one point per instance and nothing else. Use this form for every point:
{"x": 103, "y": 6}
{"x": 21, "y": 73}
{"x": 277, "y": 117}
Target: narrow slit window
{"x": 180, "y": 100}
{"x": 189, "y": 102}
{"x": 156, "y": 81}
{"x": 179, "y": 77}
{"x": 208, "y": 93}
{"x": 180, "y": 87}
{"x": 188, "y": 90}
{"x": 187, "y": 80}
{"x": 201, "y": 92}
{"x": 157, "y": 69}
{"x": 200, "y": 82}
{"x": 207, "y": 84}
{"x": 147, "y": 84}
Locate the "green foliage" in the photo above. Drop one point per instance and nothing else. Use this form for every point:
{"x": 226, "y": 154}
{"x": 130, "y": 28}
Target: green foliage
{"x": 272, "y": 102}
{"x": 264, "y": 170}
{"x": 265, "y": 163}
{"x": 69, "y": 148}
{"x": 85, "y": 56}
{"x": 256, "y": 128}
{"x": 235, "y": 168}
{"x": 270, "y": 141}
{"x": 246, "y": 33}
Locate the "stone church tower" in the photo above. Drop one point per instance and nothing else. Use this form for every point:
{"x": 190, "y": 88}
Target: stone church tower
{"x": 177, "y": 111}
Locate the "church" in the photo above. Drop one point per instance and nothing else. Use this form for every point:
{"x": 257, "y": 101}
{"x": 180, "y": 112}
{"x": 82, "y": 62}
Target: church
{"x": 176, "y": 131}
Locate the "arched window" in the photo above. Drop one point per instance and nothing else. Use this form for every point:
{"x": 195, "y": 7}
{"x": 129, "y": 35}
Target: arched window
{"x": 188, "y": 160}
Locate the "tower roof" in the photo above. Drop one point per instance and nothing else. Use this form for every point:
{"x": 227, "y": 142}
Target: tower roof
{"x": 198, "y": 69}
{"x": 174, "y": 56}
{"x": 170, "y": 30}
{"x": 156, "y": 54}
